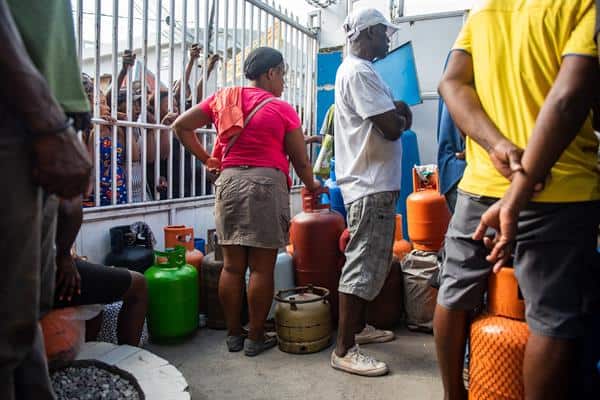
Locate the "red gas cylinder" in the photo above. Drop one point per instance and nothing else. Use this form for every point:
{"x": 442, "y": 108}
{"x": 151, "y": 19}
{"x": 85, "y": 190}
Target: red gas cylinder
{"x": 427, "y": 212}
{"x": 498, "y": 344}
{"x": 315, "y": 235}
{"x": 290, "y": 247}
{"x": 401, "y": 247}
{"x": 63, "y": 333}
{"x": 181, "y": 235}
{"x": 385, "y": 311}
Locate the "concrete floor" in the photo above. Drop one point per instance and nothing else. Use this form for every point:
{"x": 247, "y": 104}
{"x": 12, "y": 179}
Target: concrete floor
{"x": 214, "y": 373}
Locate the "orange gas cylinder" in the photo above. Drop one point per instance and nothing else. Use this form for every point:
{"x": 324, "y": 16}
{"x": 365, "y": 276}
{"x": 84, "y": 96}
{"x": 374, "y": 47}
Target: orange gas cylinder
{"x": 344, "y": 239}
{"x": 504, "y": 297}
{"x": 290, "y": 249}
{"x": 498, "y": 344}
{"x": 181, "y": 235}
{"x": 497, "y": 350}
{"x": 63, "y": 334}
{"x": 427, "y": 213}
{"x": 401, "y": 247}
{"x": 315, "y": 234}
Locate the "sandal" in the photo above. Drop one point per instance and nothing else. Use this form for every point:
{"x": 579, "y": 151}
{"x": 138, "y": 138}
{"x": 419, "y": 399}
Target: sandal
{"x": 253, "y": 348}
{"x": 236, "y": 343}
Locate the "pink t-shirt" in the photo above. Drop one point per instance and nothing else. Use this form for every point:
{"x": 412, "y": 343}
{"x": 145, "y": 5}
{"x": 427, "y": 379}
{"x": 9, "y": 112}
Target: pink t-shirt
{"x": 261, "y": 143}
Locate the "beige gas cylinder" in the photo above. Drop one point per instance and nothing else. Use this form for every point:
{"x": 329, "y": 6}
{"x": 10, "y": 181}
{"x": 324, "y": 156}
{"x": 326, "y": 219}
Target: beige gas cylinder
{"x": 303, "y": 319}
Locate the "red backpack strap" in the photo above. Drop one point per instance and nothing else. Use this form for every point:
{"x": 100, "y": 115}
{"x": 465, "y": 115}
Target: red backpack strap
{"x": 256, "y": 109}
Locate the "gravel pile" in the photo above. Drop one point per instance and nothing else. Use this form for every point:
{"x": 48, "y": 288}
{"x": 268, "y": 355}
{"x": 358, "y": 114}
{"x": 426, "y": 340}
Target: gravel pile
{"x": 93, "y": 383}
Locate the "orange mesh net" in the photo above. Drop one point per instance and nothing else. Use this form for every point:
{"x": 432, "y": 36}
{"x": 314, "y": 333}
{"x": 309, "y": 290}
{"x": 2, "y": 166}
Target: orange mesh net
{"x": 496, "y": 366}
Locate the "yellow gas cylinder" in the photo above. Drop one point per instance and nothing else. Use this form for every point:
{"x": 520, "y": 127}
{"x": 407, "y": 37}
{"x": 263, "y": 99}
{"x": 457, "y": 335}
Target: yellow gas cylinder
{"x": 303, "y": 319}
{"x": 498, "y": 343}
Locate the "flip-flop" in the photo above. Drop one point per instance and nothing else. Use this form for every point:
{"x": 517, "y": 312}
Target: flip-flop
{"x": 236, "y": 343}
{"x": 253, "y": 348}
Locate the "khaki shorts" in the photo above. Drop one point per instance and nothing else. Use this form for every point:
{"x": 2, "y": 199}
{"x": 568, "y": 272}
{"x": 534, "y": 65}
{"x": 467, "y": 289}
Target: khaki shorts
{"x": 252, "y": 207}
{"x": 555, "y": 262}
{"x": 371, "y": 222}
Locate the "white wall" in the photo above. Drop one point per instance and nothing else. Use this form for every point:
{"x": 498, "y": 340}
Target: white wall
{"x": 381, "y": 5}
{"x": 420, "y": 7}
{"x": 332, "y": 19}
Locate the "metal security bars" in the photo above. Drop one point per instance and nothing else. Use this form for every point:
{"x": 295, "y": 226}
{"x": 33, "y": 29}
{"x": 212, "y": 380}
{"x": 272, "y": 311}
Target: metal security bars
{"x": 137, "y": 160}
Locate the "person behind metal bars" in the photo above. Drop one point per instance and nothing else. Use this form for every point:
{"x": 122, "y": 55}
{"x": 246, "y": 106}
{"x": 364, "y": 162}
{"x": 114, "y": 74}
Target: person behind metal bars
{"x": 106, "y": 146}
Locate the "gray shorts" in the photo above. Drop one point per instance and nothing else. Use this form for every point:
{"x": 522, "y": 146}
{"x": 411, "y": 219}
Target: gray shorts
{"x": 252, "y": 207}
{"x": 371, "y": 222}
{"x": 555, "y": 261}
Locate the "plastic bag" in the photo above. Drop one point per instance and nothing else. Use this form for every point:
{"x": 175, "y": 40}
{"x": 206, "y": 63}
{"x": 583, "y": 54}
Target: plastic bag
{"x": 418, "y": 267}
{"x": 64, "y": 331}
{"x": 322, "y": 165}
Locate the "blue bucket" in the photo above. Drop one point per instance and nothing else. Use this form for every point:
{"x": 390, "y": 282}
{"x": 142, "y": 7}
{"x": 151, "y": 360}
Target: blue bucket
{"x": 200, "y": 244}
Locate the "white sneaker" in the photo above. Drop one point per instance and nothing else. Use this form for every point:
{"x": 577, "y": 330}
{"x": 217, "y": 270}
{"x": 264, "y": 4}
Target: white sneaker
{"x": 370, "y": 334}
{"x": 355, "y": 362}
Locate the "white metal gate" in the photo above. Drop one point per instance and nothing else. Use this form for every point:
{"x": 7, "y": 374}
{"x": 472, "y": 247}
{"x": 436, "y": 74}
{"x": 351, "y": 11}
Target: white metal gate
{"x": 161, "y": 32}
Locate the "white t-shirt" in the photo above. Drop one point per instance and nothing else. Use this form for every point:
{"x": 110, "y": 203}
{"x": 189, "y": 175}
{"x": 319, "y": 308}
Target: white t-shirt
{"x": 365, "y": 162}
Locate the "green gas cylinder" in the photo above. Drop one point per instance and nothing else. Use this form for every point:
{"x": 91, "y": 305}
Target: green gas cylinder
{"x": 173, "y": 296}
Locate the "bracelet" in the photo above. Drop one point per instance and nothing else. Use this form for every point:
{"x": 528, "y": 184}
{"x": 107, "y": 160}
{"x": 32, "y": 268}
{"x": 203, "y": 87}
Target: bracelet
{"x": 66, "y": 125}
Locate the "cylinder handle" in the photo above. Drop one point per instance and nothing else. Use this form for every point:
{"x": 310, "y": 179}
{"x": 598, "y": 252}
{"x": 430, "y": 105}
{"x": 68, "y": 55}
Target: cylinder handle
{"x": 171, "y": 258}
{"x": 432, "y": 182}
{"x": 321, "y": 292}
{"x": 311, "y": 200}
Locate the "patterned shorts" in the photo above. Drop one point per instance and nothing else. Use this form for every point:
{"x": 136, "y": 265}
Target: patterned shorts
{"x": 371, "y": 222}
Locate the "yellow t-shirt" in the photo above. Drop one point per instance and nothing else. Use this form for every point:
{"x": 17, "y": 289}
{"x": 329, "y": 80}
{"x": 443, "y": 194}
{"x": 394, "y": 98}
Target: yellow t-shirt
{"x": 517, "y": 48}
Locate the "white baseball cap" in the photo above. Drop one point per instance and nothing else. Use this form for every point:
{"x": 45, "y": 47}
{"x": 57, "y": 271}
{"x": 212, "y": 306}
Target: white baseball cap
{"x": 360, "y": 19}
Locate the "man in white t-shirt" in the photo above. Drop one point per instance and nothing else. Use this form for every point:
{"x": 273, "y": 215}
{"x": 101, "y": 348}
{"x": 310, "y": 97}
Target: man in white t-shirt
{"x": 368, "y": 126}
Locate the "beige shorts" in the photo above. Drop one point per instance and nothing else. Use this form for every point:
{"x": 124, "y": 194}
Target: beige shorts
{"x": 252, "y": 207}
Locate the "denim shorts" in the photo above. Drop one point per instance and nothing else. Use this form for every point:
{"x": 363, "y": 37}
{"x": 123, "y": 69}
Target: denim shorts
{"x": 371, "y": 222}
{"x": 555, "y": 261}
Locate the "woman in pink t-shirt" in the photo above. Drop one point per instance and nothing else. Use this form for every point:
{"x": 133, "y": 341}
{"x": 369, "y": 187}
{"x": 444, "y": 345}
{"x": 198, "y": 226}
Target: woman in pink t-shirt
{"x": 252, "y": 211}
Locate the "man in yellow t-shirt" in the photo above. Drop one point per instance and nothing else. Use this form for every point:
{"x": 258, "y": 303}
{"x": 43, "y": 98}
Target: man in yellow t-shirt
{"x": 520, "y": 83}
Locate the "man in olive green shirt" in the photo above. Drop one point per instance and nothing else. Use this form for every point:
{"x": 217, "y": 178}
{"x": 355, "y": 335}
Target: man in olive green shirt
{"x": 39, "y": 156}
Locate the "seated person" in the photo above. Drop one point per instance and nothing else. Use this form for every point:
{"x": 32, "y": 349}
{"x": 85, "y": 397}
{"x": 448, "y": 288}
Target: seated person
{"x": 79, "y": 282}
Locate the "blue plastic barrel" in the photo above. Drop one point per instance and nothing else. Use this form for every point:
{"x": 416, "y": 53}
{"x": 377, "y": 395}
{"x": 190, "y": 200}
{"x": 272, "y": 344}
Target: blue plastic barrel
{"x": 410, "y": 158}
